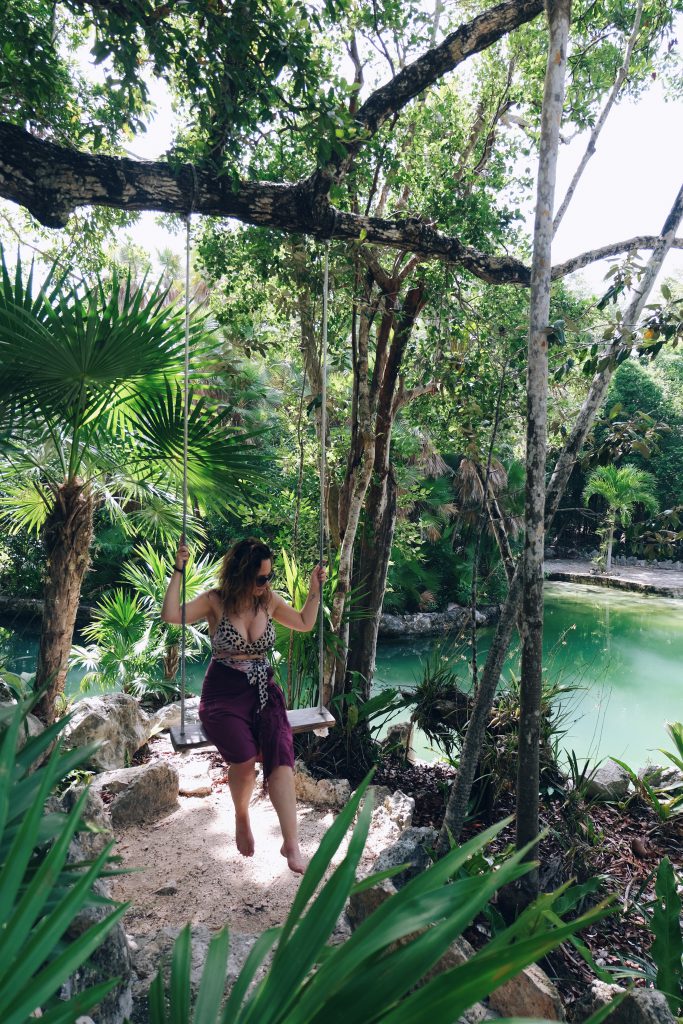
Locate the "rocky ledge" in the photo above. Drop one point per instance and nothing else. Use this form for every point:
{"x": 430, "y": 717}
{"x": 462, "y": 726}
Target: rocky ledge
{"x": 455, "y": 618}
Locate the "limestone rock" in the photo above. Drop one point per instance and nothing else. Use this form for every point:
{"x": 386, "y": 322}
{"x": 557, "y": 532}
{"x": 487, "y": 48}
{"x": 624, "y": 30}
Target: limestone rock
{"x": 609, "y": 782}
{"x": 458, "y": 953}
{"x": 153, "y": 950}
{"x": 362, "y": 904}
{"x": 194, "y": 778}
{"x": 455, "y": 618}
{"x": 410, "y": 849}
{"x": 399, "y": 740}
{"x": 320, "y": 792}
{"x": 391, "y": 812}
{"x": 378, "y": 794}
{"x": 476, "y": 1014}
{"x": 116, "y": 722}
{"x": 530, "y": 994}
{"x": 6, "y": 693}
{"x": 639, "y": 1006}
{"x": 169, "y": 716}
{"x": 31, "y": 727}
{"x": 111, "y": 959}
{"x": 195, "y": 785}
{"x": 139, "y": 794}
{"x": 400, "y": 809}
{"x": 662, "y": 776}
{"x": 95, "y": 815}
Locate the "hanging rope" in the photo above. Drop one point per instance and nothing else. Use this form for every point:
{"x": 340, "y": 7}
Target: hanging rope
{"x": 186, "y": 402}
{"x": 323, "y": 432}
{"x": 181, "y": 738}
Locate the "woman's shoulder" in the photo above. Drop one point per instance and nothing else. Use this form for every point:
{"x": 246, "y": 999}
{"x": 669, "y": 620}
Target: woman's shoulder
{"x": 275, "y": 602}
{"x": 215, "y": 601}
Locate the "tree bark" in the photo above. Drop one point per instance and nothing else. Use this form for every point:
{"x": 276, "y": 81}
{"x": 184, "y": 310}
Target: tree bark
{"x": 67, "y": 536}
{"x": 380, "y": 514}
{"x": 456, "y": 808}
{"x": 536, "y": 443}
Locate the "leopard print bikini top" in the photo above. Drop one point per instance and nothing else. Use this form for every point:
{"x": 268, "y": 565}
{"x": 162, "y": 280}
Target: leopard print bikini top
{"x": 227, "y": 641}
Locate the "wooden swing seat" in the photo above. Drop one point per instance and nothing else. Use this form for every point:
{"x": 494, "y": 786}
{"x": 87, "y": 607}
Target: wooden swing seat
{"x": 300, "y": 720}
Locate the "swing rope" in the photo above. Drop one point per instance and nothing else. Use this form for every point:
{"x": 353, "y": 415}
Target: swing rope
{"x": 186, "y": 403}
{"x": 323, "y": 441}
{"x": 183, "y": 738}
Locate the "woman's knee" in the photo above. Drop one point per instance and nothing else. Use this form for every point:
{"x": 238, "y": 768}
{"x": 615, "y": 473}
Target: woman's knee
{"x": 243, "y": 769}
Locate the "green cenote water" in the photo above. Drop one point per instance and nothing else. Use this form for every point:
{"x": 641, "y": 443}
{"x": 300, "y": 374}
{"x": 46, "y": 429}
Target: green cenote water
{"x": 623, "y": 651}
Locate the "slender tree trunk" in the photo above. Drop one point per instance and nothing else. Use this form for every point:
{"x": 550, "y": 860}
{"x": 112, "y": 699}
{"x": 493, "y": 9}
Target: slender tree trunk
{"x": 67, "y": 536}
{"x": 456, "y": 808}
{"x": 380, "y": 514}
{"x": 352, "y": 496}
{"x": 610, "y": 539}
{"x": 536, "y": 447}
{"x": 373, "y": 566}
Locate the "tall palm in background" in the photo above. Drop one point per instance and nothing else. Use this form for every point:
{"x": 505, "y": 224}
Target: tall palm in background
{"x": 622, "y": 489}
{"x": 91, "y": 414}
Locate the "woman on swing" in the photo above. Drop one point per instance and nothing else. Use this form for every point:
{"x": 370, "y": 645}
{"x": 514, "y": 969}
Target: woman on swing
{"x": 241, "y": 708}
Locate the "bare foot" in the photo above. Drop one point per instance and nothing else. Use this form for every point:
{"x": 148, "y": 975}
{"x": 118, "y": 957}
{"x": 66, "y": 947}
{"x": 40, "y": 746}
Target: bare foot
{"x": 295, "y": 859}
{"x": 244, "y": 837}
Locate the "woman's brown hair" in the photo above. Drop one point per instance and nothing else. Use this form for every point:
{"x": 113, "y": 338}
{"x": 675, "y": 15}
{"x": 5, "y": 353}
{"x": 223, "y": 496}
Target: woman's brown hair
{"x": 239, "y": 570}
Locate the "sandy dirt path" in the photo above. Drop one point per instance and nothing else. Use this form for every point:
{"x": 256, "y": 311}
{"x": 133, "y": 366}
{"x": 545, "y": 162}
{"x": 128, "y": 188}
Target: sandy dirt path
{"x": 191, "y": 869}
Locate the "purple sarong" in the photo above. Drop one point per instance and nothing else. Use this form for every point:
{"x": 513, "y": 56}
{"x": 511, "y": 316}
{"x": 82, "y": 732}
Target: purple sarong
{"x": 229, "y": 712}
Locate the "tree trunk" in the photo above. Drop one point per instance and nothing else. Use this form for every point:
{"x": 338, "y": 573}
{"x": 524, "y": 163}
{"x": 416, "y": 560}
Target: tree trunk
{"x": 380, "y": 514}
{"x": 373, "y": 566}
{"x": 610, "y": 539}
{"x": 536, "y": 450}
{"x": 67, "y": 535}
{"x": 458, "y": 799}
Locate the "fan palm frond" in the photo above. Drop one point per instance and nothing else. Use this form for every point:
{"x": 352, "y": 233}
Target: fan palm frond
{"x": 219, "y": 463}
{"x": 77, "y": 354}
{"x": 25, "y": 508}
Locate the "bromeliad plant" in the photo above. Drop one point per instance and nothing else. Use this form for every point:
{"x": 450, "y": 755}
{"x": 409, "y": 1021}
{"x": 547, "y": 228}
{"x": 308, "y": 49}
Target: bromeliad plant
{"x": 377, "y": 970}
{"x": 130, "y": 648}
{"x": 40, "y": 891}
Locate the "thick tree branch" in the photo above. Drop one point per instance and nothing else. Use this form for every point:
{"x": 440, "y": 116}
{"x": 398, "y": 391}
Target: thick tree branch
{"x": 52, "y": 181}
{"x": 404, "y": 397}
{"x": 475, "y": 36}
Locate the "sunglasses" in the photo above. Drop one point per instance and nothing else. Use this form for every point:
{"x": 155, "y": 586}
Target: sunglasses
{"x": 261, "y": 581}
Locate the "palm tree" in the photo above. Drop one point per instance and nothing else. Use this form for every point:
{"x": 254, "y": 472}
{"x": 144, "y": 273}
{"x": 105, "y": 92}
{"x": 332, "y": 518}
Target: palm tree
{"x": 91, "y": 414}
{"x": 622, "y": 489}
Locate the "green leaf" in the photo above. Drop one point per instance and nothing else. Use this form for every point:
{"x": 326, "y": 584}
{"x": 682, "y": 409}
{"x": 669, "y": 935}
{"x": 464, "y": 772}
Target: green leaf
{"x": 181, "y": 964}
{"x": 667, "y": 946}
